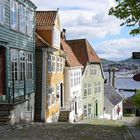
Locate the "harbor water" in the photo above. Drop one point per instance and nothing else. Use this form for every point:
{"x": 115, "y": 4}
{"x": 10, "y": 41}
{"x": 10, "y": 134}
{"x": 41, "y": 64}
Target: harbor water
{"x": 124, "y": 83}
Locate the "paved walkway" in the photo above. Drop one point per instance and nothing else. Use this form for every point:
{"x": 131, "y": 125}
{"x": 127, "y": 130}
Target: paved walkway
{"x": 84, "y": 130}
{"x": 130, "y": 122}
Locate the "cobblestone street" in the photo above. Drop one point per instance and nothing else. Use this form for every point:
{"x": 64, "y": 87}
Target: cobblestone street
{"x": 84, "y": 130}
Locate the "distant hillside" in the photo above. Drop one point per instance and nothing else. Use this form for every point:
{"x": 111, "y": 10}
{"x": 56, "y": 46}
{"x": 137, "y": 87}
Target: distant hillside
{"x": 107, "y": 62}
{"x": 126, "y": 61}
{"x": 131, "y": 61}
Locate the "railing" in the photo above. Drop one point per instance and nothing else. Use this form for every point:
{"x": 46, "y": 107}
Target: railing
{"x": 12, "y": 88}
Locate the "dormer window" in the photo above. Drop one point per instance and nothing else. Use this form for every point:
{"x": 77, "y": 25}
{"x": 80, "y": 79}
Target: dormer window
{"x": 2, "y": 11}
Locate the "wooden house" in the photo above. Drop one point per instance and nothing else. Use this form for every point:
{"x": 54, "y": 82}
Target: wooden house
{"x": 16, "y": 60}
{"x": 72, "y": 85}
{"x": 92, "y": 78}
{"x": 49, "y": 68}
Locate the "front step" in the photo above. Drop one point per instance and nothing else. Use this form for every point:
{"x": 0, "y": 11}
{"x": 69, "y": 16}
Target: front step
{"x": 64, "y": 116}
{"x": 5, "y": 113}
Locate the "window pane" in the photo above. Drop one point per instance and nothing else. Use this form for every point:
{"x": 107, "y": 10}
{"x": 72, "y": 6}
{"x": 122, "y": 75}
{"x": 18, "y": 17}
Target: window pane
{"x": 14, "y": 14}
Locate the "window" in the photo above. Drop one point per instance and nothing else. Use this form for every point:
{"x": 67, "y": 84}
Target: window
{"x": 85, "y": 90}
{"x": 89, "y": 89}
{"x": 85, "y": 110}
{"x": 56, "y": 38}
{"x": 49, "y": 63}
{"x": 58, "y": 64}
{"x": 14, "y": 14}
{"x": 98, "y": 87}
{"x": 93, "y": 70}
{"x": 2, "y": 11}
{"x": 29, "y": 66}
{"x": 22, "y": 19}
{"x": 61, "y": 64}
{"x": 29, "y": 22}
{"x": 89, "y": 109}
{"x": 53, "y": 63}
{"x": 51, "y": 94}
{"x": 22, "y": 64}
{"x": 14, "y": 62}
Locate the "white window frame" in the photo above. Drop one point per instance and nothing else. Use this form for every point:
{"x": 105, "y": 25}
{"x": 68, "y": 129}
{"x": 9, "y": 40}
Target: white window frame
{"x": 22, "y": 64}
{"x": 14, "y": 14}
{"x": 56, "y": 38}
{"x": 93, "y": 70}
{"x": 85, "y": 113}
{"x": 29, "y": 70}
{"x": 30, "y": 26}
{"x": 98, "y": 87}
{"x": 89, "y": 110}
{"x": 49, "y": 63}
{"x": 14, "y": 64}
{"x": 89, "y": 89}
{"x": 2, "y": 11}
{"x": 57, "y": 64}
{"x": 85, "y": 89}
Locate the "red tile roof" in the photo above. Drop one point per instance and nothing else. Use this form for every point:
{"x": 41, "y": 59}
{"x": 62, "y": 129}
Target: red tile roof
{"x": 71, "y": 58}
{"x": 45, "y": 18}
{"x": 40, "y": 42}
{"x": 83, "y": 51}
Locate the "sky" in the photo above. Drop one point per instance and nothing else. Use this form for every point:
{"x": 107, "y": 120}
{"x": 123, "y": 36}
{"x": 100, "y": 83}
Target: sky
{"x": 89, "y": 19}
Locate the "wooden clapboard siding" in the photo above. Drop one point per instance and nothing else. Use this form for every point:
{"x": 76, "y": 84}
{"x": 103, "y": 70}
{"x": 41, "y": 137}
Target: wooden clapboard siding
{"x": 54, "y": 78}
{"x": 13, "y": 39}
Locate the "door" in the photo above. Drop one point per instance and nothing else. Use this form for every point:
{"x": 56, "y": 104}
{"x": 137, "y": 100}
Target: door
{"x": 2, "y": 70}
{"x": 61, "y": 94}
{"x": 96, "y": 107}
{"x": 75, "y": 108}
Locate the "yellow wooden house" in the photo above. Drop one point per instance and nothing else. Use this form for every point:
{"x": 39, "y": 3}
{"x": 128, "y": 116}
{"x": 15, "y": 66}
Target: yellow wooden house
{"x": 49, "y": 67}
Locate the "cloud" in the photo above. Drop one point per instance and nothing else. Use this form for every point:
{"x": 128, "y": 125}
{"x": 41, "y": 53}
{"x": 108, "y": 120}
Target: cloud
{"x": 84, "y": 18}
{"x": 118, "y": 49}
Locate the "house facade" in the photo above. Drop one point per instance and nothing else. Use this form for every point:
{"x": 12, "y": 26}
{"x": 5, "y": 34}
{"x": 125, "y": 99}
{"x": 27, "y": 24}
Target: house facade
{"x": 17, "y": 46}
{"x": 113, "y": 103}
{"x": 48, "y": 27}
{"x": 92, "y": 78}
{"x": 72, "y": 83}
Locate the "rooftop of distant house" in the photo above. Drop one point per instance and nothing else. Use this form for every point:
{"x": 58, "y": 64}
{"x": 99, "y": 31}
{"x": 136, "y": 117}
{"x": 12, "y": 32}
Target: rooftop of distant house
{"x": 83, "y": 51}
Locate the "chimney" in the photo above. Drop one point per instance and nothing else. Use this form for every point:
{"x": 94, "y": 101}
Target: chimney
{"x": 63, "y": 34}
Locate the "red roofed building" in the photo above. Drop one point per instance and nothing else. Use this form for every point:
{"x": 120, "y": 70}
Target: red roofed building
{"x": 92, "y": 78}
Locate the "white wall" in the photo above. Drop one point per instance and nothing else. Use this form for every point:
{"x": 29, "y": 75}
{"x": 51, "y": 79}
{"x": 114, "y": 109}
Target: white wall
{"x": 115, "y": 115}
{"x": 72, "y": 92}
{"x": 21, "y": 112}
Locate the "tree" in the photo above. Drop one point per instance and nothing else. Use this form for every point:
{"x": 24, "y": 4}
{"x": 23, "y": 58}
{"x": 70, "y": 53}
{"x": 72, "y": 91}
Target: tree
{"x": 136, "y": 99}
{"x": 129, "y": 12}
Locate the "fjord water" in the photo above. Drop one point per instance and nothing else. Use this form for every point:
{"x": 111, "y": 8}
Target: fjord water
{"x": 124, "y": 83}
